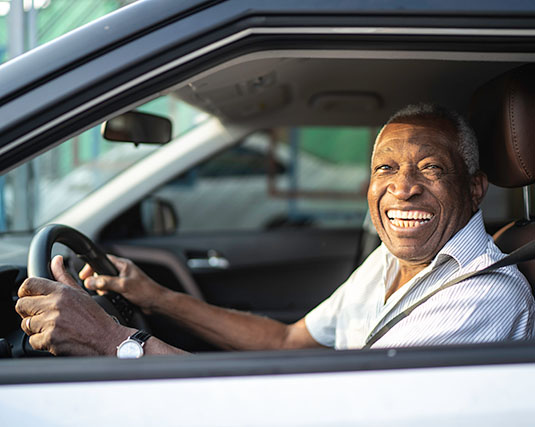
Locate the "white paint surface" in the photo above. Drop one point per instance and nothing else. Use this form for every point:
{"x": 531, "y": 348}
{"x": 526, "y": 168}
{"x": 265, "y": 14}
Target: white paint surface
{"x": 464, "y": 396}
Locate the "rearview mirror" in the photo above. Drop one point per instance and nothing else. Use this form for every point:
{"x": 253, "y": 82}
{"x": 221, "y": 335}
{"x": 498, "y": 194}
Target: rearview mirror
{"x": 138, "y": 128}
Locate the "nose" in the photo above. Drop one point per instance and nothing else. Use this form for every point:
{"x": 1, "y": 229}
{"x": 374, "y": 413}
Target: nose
{"x": 405, "y": 184}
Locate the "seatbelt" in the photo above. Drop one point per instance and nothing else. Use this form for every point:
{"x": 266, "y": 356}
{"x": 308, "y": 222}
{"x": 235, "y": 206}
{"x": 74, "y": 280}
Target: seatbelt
{"x": 524, "y": 253}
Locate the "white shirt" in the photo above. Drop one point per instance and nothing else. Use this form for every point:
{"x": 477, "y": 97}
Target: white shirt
{"x": 493, "y": 307}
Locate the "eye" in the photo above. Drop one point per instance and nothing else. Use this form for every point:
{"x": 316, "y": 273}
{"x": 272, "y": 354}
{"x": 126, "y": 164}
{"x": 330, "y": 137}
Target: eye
{"x": 432, "y": 171}
{"x": 383, "y": 168}
{"x": 432, "y": 167}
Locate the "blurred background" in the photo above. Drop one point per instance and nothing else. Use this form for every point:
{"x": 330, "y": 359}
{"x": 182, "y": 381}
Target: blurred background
{"x": 25, "y": 24}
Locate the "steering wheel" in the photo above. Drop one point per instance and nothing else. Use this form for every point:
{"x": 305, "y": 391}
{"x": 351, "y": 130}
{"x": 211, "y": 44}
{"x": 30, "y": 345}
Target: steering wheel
{"x": 39, "y": 258}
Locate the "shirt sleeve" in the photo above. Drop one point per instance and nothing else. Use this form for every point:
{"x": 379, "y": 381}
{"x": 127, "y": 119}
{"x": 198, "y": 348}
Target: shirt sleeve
{"x": 488, "y": 308}
{"x": 321, "y": 322}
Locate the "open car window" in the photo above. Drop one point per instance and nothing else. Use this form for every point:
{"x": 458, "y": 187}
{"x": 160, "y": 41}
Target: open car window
{"x": 41, "y": 189}
{"x": 313, "y": 177}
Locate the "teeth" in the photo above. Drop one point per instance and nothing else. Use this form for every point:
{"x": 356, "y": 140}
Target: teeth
{"x": 397, "y": 214}
{"x": 408, "y": 219}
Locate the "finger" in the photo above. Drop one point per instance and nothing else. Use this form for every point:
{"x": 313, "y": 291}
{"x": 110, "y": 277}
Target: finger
{"x": 103, "y": 283}
{"x": 86, "y": 272}
{"x": 34, "y": 286}
{"x": 29, "y": 306}
{"x": 38, "y": 341}
{"x": 32, "y": 325}
{"x": 120, "y": 263}
{"x": 60, "y": 273}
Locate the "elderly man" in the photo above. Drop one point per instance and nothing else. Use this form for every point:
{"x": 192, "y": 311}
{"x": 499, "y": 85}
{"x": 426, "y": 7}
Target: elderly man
{"x": 424, "y": 197}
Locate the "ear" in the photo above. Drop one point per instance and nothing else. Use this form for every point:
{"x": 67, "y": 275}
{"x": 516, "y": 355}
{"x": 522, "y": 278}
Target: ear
{"x": 478, "y": 188}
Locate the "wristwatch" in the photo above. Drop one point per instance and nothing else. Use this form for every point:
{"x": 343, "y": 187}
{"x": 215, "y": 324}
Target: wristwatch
{"x": 132, "y": 347}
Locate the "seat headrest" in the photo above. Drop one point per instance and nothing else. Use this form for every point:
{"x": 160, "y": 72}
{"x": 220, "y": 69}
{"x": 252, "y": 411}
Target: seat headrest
{"x": 502, "y": 113}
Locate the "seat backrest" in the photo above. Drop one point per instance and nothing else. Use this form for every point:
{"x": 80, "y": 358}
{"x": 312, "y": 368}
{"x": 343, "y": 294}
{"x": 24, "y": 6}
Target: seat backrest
{"x": 503, "y": 117}
{"x": 514, "y": 235}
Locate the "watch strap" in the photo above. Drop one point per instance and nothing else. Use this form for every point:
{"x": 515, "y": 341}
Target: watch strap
{"x": 140, "y": 336}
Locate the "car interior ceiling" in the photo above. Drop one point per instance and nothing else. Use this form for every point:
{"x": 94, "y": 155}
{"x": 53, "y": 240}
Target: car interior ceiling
{"x": 266, "y": 92}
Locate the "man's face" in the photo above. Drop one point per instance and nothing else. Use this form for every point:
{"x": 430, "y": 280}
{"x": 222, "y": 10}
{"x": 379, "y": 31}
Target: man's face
{"x": 420, "y": 192}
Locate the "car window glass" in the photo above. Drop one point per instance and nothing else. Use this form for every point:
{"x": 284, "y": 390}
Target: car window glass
{"x": 284, "y": 177}
{"x": 37, "y": 191}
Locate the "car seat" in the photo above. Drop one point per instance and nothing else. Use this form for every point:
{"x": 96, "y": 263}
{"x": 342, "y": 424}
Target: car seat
{"x": 502, "y": 113}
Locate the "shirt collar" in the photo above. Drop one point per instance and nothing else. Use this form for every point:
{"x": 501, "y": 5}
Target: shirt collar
{"x": 468, "y": 243}
{"x": 457, "y": 248}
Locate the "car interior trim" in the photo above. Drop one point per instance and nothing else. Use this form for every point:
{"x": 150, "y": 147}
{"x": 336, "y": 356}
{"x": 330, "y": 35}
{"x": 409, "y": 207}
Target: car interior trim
{"x": 522, "y": 32}
{"x": 165, "y": 258}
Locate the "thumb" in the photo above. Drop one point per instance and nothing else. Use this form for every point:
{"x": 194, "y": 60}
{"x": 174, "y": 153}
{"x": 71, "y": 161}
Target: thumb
{"x": 60, "y": 273}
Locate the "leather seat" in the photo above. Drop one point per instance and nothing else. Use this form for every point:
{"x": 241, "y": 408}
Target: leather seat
{"x": 503, "y": 117}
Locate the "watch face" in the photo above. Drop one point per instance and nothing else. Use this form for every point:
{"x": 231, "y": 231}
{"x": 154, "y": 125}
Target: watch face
{"x": 130, "y": 349}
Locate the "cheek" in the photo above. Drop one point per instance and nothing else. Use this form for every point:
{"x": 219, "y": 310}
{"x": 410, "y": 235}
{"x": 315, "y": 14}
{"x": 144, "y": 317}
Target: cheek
{"x": 373, "y": 197}
{"x": 453, "y": 198}
{"x": 374, "y": 192}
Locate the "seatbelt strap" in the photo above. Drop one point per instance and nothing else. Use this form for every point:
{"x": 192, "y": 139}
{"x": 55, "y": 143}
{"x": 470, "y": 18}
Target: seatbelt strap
{"x": 524, "y": 253}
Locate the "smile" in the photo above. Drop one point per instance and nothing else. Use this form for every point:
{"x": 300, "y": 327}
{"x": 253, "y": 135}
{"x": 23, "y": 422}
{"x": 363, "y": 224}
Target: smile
{"x": 408, "y": 219}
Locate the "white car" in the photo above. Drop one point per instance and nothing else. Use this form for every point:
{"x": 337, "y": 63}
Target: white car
{"x": 256, "y": 202}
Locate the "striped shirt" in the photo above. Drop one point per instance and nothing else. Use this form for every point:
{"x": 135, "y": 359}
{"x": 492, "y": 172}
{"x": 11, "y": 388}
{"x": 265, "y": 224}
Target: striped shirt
{"x": 488, "y": 308}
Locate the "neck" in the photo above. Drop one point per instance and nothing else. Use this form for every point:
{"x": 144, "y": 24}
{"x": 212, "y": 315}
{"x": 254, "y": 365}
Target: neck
{"x": 406, "y": 272}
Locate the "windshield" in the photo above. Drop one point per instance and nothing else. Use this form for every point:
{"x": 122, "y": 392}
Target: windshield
{"x": 39, "y": 190}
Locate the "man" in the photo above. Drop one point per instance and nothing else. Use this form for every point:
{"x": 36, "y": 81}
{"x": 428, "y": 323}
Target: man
{"x": 424, "y": 196}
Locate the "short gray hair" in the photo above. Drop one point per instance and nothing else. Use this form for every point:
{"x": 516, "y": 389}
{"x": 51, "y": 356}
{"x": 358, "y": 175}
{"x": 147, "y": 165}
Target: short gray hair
{"x": 467, "y": 141}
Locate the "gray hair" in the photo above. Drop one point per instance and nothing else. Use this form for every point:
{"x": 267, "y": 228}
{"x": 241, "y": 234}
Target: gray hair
{"x": 467, "y": 141}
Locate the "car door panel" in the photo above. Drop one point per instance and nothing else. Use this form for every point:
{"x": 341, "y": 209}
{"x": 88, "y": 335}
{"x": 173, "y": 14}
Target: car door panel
{"x": 280, "y": 273}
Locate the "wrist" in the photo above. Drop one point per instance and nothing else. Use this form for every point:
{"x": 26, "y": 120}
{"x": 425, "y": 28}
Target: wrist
{"x": 116, "y": 337}
{"x": 134, "y": 346}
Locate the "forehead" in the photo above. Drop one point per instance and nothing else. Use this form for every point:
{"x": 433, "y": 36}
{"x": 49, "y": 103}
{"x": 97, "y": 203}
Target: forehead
{"x": 427, "y": 134}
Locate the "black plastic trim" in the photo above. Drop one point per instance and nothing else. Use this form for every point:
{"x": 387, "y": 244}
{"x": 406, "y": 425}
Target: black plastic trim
{"x": 52, "y": 370}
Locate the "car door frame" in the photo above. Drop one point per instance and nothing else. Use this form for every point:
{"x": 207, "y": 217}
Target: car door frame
{"x": 110, "y": 89}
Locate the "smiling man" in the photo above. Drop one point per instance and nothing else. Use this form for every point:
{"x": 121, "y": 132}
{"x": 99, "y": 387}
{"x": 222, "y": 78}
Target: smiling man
{"x": 424, "y": 198}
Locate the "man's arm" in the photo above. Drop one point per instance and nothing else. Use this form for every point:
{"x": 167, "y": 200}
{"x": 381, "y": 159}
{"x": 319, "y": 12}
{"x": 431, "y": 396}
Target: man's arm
{"x": 227, "y": 329}
{"x": 62, "y": 318}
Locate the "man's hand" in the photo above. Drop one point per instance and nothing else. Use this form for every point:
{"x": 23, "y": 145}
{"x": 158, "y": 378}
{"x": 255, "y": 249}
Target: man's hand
{"x": 131, "y": 283}
{"x": 62, "y": 318}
